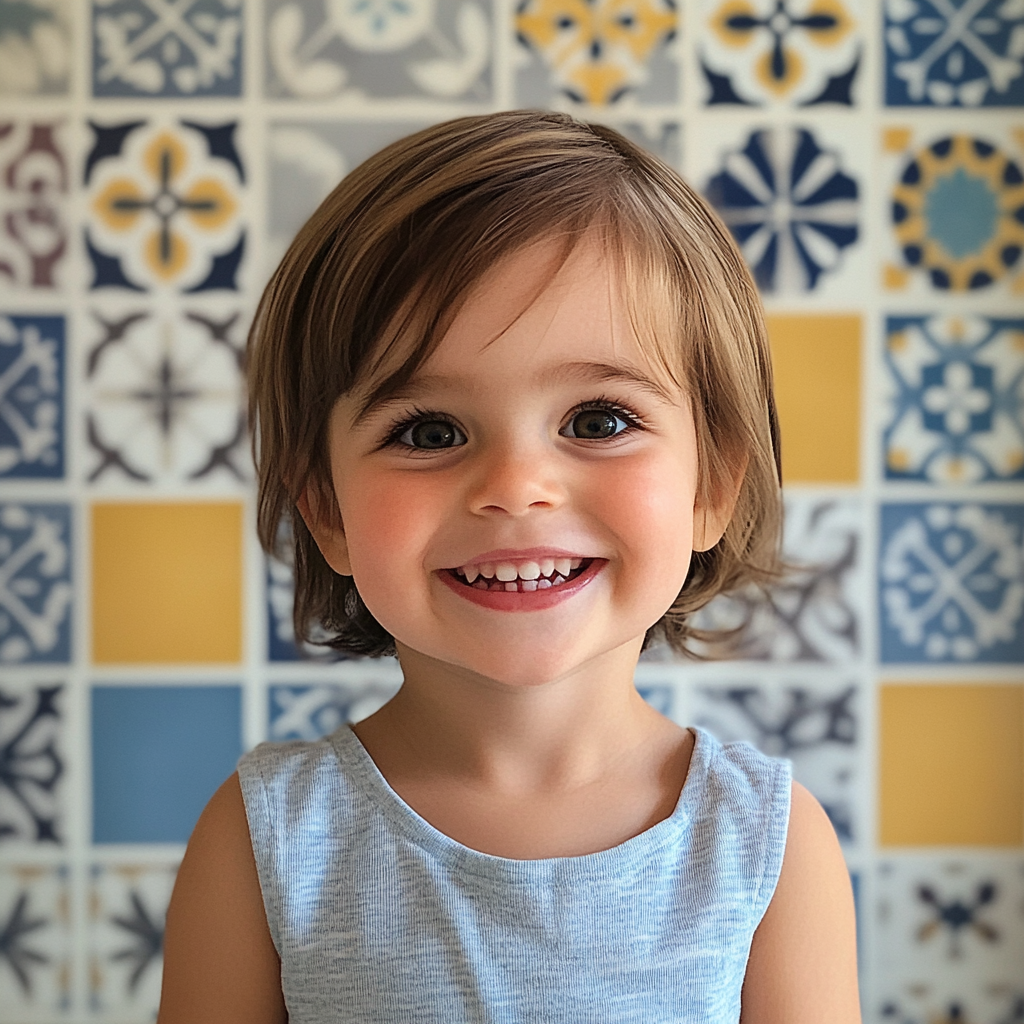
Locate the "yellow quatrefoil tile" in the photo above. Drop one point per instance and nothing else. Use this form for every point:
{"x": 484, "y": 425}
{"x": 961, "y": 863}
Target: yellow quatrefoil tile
{"x": 166, "y": 583}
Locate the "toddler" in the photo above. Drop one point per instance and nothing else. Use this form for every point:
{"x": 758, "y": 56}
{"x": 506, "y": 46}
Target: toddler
{"x": 512, "y": 387}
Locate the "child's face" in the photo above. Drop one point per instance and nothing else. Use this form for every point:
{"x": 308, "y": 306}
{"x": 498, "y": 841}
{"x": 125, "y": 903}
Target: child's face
{"x": 537, "y": 433}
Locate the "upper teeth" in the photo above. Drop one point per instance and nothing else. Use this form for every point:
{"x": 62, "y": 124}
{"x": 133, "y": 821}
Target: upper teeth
{"x": 506, "y": 572}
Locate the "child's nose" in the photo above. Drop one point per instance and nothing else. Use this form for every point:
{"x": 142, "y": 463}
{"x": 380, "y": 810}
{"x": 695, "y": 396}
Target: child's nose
{"x": 513, "y": 482}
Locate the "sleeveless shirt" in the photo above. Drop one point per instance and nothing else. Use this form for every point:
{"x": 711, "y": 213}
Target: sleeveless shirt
{"x": 379, "y": 918}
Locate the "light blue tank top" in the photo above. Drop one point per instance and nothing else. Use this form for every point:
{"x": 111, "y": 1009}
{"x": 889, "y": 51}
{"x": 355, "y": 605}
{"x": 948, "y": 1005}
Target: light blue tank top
{"x": 379, "y": 918}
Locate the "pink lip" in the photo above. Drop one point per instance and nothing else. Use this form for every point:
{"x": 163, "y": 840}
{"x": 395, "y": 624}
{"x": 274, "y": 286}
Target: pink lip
{"x": 520, "y": 555}
{"x": 524, "y": 601}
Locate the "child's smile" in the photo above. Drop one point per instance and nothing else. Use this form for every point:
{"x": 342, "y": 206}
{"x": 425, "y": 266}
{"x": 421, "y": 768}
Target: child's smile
{"x": 538, "y": 462}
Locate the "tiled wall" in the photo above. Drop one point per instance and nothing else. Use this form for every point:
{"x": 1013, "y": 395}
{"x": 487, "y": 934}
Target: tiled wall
{"x": 155, "y": 157}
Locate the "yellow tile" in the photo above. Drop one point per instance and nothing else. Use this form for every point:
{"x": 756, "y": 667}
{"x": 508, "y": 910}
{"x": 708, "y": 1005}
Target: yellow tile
{"x": 895, "y": 140}
{"x": 951, "y": 765}
{"x": 817, "y": 386}
{"x": 166, "y": 583}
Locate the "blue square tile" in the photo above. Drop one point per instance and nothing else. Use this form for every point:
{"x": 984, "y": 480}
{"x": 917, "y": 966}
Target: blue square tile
{"x": 310, "y": 711}
{"x": 35, "y": 583}
{"x": 32, "y": 396}
{"x": 156, "y": 48}
{"x": 951, "y": 583}
{"x": 955, "y": 406}
{"x": 944, "y": 54}
{"x": 158, "y": 755}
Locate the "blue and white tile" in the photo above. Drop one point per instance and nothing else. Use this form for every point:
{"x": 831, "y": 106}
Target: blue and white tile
{"x": 35, "y": 583}
{"x": 156, "y": 48}
{"x": 33, "y": 727}
{"x": 308, "y": 711}
{"x": 766, "y": 53}
{"x": 815, "y": 612}
{"x": 954, "y": 388}
{"x": 942, "y": 54}
{"x": 365, "y": 50}
{"x": 951, "y": 583}
{"x": 816, "y": 723}
{"x": 35, "y": 951}
{"x": 32, "y": 396}
{"x": 949, "y": 933}
{"x": 36, "y": 46}
{"x": 127, "y": 912}
{"x": 792, "y": 196}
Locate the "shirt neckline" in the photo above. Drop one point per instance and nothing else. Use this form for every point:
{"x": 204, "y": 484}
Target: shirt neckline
{"x": 364, "y": 773}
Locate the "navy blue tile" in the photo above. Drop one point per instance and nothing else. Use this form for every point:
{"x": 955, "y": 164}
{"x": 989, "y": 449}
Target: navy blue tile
{"x": 158, "y": 755}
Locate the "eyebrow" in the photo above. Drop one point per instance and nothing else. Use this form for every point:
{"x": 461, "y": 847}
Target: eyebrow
{"x": 583, "y": 372}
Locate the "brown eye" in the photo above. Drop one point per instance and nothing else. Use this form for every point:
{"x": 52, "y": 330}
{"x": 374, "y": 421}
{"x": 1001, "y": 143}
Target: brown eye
{"x": 432, "y": 434}
{"x": 595, "y": 424}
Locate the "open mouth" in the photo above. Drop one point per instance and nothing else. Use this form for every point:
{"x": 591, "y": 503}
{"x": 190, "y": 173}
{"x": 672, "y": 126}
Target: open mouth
{"x": 523, "y": 577}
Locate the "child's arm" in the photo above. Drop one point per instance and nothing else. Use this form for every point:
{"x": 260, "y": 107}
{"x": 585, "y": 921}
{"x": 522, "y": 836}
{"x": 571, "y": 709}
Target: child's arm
{"x": 220, "y": 965}
{"x": 803, "y": 959}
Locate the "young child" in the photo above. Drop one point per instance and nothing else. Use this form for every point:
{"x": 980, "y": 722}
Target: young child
{"x": 511, "y": 382}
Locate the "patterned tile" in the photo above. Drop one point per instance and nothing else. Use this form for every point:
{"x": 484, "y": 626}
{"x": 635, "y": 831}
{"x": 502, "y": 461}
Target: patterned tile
{"x": 165, "y": 206}
{"x": 957, "y": 212}
{"x": 32, "y": 396}
{"x": 127, "y": 909}
{"x": 814, "y": 614}
{"x": 35, "y": 942}
{"x": 596, "y": 53}
{"x": 814, "y": 724}
{"x": 951, "y": 583}
{"x": 35, "y": 47}
{"x": 164, "y": 398}
{"x": 158, "y": 755}
{"x": 950, "y": 939}
{"x": 955, "y": 396}
{"x": 280, "y": 628}
{"x": 309, "y": 711}
{"x": 167, "y": 48}
{"x": 768, "y": 52}
{"x": 33, "y": 200}
{"x": 790, "y": 205}
{"x": 35, "y": 583}
{"x": 32, "y": 750}
{"x": 942, "y": 53}
{"x": 379, "y": 49}
{"x": 167, "y": 583}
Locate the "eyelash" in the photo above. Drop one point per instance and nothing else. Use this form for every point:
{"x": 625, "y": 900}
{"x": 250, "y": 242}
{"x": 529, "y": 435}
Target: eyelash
{"x": 395, "y": 431}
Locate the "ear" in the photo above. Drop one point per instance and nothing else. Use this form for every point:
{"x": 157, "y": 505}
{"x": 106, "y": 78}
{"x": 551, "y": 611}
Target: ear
{"x": 710, "y": 519}
{"x": 328, "y": 532}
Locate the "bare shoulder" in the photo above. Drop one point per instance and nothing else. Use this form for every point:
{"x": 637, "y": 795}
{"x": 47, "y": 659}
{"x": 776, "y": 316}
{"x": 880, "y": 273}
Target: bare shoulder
{"x": 220, "y": 964}
{"x": 803, "y": 959}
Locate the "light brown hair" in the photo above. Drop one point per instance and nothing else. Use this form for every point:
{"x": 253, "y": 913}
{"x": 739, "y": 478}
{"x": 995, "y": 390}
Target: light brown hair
{"x": 395, "y": 249}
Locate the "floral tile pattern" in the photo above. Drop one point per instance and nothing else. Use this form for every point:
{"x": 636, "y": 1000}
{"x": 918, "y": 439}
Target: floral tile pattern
{"x": 942, "y": 53}
{"x": 379, "y": 49}
{"x": 127, "y": 907}
{"x": 596, "y": 53}
{"x": 813, "y": 614}
{"x": 167, "y": 47}
{"x": 165, "y": 206}
{"x": 165, "y": 397}
{"x": 958, "y": 213}
{"x": 793, "y": 52}
{"x": 35, "y": 583}
{"x": 949, "y": 934}
{"x": 956, "y": 399}
{"x": 814, "y": 724}
{"x": 32, "y": 396}
{"x": 35, "y": 47}
{"x": 33, "y": 196}
{"x": 789, "y": 205}
{"x": 309, "y": 711}
{"x": 32, "y": 727}
{"x": 35, "y": 942}
{"x": 951, "y": 583}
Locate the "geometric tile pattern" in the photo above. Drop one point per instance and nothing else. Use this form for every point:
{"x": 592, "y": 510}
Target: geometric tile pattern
{"x": 156, "y": 158}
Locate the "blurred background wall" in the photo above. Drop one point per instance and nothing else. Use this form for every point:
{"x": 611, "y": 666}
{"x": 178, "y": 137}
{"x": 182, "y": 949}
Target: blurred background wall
{"x": 155, "y": 158}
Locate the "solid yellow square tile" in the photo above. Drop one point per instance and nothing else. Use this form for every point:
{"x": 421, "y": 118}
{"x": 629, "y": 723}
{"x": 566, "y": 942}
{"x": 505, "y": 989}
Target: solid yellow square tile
{"x": 816, "y": 362}
{"x": 166, "y": 583}
{"x": 951, "y": 765}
